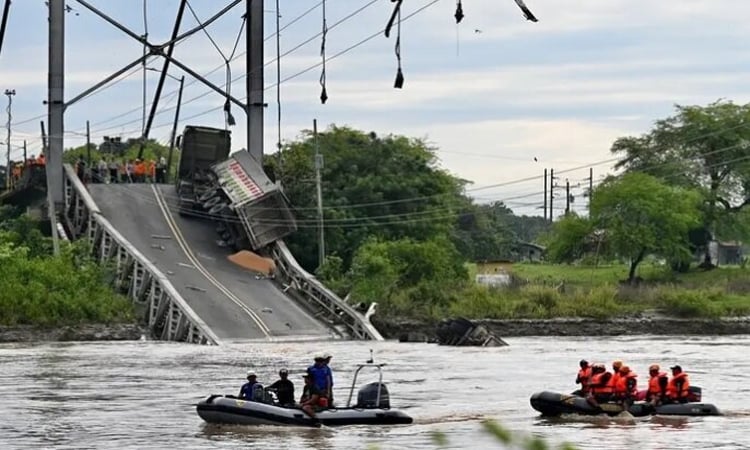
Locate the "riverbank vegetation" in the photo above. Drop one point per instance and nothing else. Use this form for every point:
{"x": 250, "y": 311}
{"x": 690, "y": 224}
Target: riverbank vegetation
{"x": 404, "y": 233}
{"x": 41, "y": 290}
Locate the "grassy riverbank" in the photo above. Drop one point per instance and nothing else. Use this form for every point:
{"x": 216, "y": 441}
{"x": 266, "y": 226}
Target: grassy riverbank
{"x": 542, "y": 291}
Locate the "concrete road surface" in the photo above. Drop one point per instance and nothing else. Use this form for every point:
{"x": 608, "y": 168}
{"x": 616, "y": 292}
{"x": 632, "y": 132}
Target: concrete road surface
{"x": 134, "y": 211}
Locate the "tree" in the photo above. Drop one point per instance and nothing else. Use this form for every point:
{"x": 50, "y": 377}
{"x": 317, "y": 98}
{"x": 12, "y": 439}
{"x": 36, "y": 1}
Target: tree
{"x": 568, "y": 239}
{"x": 482, "y": 232}
{"x": 642, "y": 215}
{"x": 699, "y": 147}
{"x": 407, "y": 276}
{"x": 386, "y": 187}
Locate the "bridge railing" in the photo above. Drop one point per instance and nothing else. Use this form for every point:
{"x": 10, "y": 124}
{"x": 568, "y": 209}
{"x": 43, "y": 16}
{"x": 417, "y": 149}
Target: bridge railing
{"x": 320, "y": 298}
{"x": 168, "y": 316}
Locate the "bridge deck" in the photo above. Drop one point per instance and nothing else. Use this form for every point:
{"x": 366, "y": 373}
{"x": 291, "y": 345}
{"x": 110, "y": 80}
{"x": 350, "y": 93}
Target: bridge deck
{"x": 134, "y": 210}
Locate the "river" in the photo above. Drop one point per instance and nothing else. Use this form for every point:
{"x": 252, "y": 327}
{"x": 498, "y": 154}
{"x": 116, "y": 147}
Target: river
{"x": 141, "y": 395}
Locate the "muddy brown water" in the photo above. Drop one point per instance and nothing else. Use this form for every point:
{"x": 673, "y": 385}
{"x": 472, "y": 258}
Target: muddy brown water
{"x": 141, "y": 395}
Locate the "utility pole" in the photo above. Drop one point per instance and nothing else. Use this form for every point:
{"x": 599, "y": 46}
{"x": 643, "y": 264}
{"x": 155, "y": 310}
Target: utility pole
{"x": 591, "y": 187}
{"x": 567, "y": 197}
{"x": 10, "y": 93}
{"x": 88, "y": 145}
{"x": 551, "y": 194}
{"x": 56, "y": 110}
{"x": 174, "y": 129}
{"x": 44, "y": 139}
{"x": 25, "y": 157}
{"x": 318, "y": 166}
{"x": 56, "y": 102}
{"x": 254, "y": 79}
{"x": 545, "y": 195}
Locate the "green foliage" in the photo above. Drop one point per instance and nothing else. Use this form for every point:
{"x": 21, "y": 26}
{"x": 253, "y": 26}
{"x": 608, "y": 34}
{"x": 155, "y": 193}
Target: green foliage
{"x": 387, "y": 187}
{"x": 331, "y": 273}
{"x": 504, "y": 437}
{"x": 407, "y": 276}
{"x": 571, "y": 236}
{"x": 703, "y": 147}
{"x": 641, "y": 215}
{"x": 42, "y": 290}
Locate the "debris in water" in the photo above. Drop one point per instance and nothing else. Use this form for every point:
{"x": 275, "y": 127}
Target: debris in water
{"x": 195, "y": 288}
{"x": 160, "y": 236}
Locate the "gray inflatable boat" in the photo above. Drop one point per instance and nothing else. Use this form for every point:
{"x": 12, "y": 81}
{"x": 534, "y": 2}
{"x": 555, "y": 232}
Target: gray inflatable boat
{"x": 372, "y": 408}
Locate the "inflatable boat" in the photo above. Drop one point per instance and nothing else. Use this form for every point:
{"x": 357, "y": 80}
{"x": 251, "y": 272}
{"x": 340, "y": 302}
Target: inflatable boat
{"x": 372, "y": 408}
{"x": 554, "y": 404}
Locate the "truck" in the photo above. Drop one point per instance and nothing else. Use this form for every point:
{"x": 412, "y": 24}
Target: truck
{"x": 201, "y": 148}
{"x": 251, "y": 211}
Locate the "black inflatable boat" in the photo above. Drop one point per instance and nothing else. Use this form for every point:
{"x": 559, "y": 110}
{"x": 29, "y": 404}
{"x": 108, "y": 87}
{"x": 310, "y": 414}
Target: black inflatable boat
{"x": 372, "y": 408}
{"x": 554, "y": 404}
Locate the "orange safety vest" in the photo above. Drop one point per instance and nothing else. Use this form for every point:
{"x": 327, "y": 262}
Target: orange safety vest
{"x": 140, "y": 168}
{"x": 584, "y": 377}
{"x": 621, "y": 388}
{"x": 597, "y": 387}
{"x": 152, "y": 169}
{"x": 653, "y": 384}
{"x": 672, "y": 392}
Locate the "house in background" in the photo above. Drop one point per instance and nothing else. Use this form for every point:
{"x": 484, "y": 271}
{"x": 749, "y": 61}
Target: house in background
{"x": 530, "y": 252}
{"x": 727, "y": 253}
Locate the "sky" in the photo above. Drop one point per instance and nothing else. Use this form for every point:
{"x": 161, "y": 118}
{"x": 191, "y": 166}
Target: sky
{"x": 499, "y": 97}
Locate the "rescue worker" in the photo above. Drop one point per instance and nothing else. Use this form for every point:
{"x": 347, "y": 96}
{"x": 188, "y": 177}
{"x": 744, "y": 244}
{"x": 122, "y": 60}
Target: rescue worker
{"x": 657, "y": 385}
{"x": 311, "y": 399}
{"x": 247, "y": 392}
{"x": 327, "y": 360}
{"x": 600, "y": 387}
{"x": 616, "y": 365}
{"x": 321, "y": 375}
{"x": 678, "y": 386}
{"x": 284, "y": 388}
{"x": 626, "y": 388}
{"x": 584, "y": 376}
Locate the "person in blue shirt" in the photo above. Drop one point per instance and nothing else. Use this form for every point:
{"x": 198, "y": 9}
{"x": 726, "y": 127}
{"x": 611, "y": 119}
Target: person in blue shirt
{"x": 321, "y": 375}
{"x": 246, "y": 392}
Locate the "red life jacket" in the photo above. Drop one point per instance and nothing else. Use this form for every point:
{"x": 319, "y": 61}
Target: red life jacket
{"x": 672, "y": 391}
{"x": 653, "y": 384}
{"x": 584, "y": 377}
{"x": 621, "y": 389}
{"x": 598, "y": 387}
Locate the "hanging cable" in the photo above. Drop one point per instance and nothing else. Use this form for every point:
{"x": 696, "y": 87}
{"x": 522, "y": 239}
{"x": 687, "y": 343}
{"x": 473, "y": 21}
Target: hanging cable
{"x": 396, "y": 15}
{"x": 228, "y": 118}
{"x": 323, "y": 93}
{"x": 459, "y": 15}
{"x": 399, "y": 82}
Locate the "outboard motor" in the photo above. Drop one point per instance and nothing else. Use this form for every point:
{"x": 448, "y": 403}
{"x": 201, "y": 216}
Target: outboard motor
{"x": 694, "y": 394}
{"x": 367, "y": 397}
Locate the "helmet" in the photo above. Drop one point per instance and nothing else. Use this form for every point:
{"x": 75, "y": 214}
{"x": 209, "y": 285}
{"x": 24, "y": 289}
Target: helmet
{"x": 319, "y": 356}
{"x": 653, "y": 367}
{"x": 283, "y": 372}
{"x": 617, "y": 363}
{"x": 327, "y": 355}
{"x": 250, "y": 373}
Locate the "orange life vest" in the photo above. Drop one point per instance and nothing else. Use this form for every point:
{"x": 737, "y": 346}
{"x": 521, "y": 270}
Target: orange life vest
{"x": 653, "y": 384}
{"x": 672, "y": 391}
{"x": 621, "y": 388}
{"x": 584, "y": 377}
{"x": 598, "y": 387}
